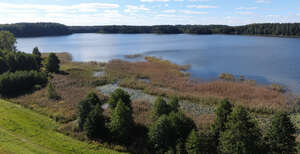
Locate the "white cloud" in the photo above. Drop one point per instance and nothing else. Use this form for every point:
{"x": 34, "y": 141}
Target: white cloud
{"x": 202, "y": 6}
{"x": 169, "y": 11}
{"x": 134, "y": 8}
{"x": 245, "y": 13}
{"x": 193, "y": 12}
{"x": 246, "y": 8}
{"x": 83, "y": 7}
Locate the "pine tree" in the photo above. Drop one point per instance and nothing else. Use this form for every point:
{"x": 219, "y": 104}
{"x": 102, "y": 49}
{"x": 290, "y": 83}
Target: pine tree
{"x": 52, "y": 63}
{"x": 280, "y": 136}
{"x": 51, "y": 92}
{"x": 242, "y": 135}
{"x": 38, "y": 56}
{"x": 162, "y": 135}
{"x": 121, "y": 123}
{"x": 84, "y": 108}
{"x": 93, "y": 98}
{"x": 193, "y": 143}
{"x": 117, "y": 95}
{"x": 95, "y": 124}
{"x": 223, "y": 110}
{"x": 174, "y": 104}
{"x": 160, "y": 107}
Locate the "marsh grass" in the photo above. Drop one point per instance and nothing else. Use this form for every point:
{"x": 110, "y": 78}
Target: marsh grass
{"x": 167, "y": 79}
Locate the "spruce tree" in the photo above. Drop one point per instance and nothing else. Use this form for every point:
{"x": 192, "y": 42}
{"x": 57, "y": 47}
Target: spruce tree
{"x": 192, "y": 145}
{"x": 38, "y": 56}
{"x": 174, "y": 104}
{"x": 162, "y": 135}
{"x": 121, "y": 123}
{"x": 117, "y": 95}
{"x": 93, "y": 98}
{"x": 222, "y": 112}
{"x": 241, "y": 135}
{"x": 159, "y": 108}
{"x": 280, "y": 136}
{"x": 84, "y": 108}
{"x": 52, "y": 63}
{"x": 94, "y": 126}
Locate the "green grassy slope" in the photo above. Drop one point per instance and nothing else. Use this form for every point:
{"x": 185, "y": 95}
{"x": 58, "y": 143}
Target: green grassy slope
{"x": 24, "y": 131}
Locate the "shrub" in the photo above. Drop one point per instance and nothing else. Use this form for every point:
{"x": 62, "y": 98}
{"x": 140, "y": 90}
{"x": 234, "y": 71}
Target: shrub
{"x": 51, "y": 92}
{"x": 121, "y": 123}
{"x": 20, "y": 81}
{"x": 280, "y": 136}
{"x": 117, "y": 95}
{"x": 52, "y": 63}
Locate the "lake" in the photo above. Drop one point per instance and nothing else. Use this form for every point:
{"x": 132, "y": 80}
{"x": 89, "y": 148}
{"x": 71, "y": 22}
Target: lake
{"x": 265, "y": 59}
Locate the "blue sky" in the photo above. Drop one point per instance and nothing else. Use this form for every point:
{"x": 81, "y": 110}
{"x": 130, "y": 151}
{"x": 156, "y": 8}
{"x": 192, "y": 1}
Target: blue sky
{"x": 149, "y": 12}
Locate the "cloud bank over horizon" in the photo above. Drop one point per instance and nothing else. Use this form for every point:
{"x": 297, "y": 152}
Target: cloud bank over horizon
{"x": 149, "y": 12}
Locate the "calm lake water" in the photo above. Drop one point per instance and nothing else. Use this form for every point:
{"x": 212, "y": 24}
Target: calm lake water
{"x": 265, "y": 59}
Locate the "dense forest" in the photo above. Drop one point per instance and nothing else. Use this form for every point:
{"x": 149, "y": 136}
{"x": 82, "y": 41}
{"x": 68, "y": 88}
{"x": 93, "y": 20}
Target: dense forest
{"x": 36, "y": 29}
{"x": 53, "y": 29}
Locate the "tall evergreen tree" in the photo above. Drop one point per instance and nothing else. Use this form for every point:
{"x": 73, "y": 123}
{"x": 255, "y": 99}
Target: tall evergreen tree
{"x": 118, "y": 95}
{"x": 193, "y": 143}
{"x": 160, "y": 107}
{"x": 38, "y": 56}
{"x": 121, "y": 123}
{"x": 95, "y": 124}
{"x": 280, "y": 136}
{"x": 174, "y": 104}
{"x": 182, "y": 126}
{"x": 162, "y": 135}
{"x": 222, "y": 112}
{"x": 93, "y": 98}
{"x": 241, "y": 135}
{"x": 52, "y": 63}
{"x": 84, "y": 108}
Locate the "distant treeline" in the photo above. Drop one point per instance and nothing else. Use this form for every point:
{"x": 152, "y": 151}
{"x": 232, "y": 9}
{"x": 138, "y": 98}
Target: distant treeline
{"x": 53, "y": 29}
{"x": 36, "y": 29}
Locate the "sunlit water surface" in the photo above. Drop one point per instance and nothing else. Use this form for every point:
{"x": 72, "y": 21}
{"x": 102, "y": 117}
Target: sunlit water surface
{"x": 265, "y": 59}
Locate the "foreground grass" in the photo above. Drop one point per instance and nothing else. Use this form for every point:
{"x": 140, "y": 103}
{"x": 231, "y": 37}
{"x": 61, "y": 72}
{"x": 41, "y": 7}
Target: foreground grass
{"x": 24, "y": 131}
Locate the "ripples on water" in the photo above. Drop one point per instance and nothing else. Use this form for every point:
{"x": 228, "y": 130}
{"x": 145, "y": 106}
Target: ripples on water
{"x": 265, "y": 59}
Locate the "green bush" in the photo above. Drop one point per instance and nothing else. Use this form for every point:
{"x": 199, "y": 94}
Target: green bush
{"x": 20, "y": 81}
{"x": 51, "y": 92}
{"x": 7, "y": 41}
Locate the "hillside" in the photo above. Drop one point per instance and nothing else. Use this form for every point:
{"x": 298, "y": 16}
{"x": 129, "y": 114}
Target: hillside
{"x": 24, "y": 131}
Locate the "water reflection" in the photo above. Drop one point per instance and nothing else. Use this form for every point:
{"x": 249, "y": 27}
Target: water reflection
{"x": 265, "y": 59}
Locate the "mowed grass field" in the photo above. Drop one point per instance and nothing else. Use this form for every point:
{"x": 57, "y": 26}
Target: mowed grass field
{"x": 25, "y": 131}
